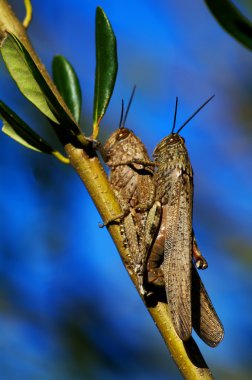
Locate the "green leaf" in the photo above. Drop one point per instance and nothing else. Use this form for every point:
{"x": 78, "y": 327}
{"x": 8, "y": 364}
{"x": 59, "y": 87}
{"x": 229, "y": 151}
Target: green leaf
{"x": 23, "y": 76}
{"x": 106, "y": 67}
{"x": 19, "y": 131}
{"x": 68, "y": 85}
{"x": 231, "y": 19}
{"x": 33, "y": 85}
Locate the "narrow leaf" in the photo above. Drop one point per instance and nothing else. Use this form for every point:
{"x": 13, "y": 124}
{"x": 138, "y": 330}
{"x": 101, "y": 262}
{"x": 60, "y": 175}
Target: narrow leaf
{"x": 33, "y": 85}
{"x": 19, "y": 131}
{"x": 23, "y": 76}
{"x": 10, "y": 131}
{"x": 106, "y": 67}
{"x": 231, "y": 19}
{"x": 68, "y": 85}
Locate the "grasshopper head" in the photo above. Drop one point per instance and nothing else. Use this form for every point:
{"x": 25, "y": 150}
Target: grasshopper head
{"x": 117, "y": 141}
{"x": 124, "y": 147}
{"x": 172, "y": 143}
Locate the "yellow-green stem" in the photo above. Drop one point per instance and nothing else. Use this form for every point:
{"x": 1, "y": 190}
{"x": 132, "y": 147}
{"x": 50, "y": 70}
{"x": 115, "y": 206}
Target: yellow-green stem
{"x": 28, "y": 16}
{"x": 60, "y": 157}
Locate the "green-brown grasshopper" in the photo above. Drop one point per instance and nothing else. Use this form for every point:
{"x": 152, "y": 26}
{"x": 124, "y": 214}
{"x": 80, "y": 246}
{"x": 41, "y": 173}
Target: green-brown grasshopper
{"x": 175, "y": 244}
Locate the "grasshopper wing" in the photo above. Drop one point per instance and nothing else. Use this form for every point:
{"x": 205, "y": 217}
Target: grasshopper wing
{"x": 205, "y": 321}
{"x": 178, "y": 253}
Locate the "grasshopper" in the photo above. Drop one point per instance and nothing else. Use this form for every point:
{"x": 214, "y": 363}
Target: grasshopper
{"x": 171, "y": 260}
{"x": 131, "y": 178}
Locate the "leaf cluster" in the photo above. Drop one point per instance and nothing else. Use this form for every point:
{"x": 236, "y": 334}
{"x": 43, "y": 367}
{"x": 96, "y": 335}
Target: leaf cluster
{"x": 35, "y": 88}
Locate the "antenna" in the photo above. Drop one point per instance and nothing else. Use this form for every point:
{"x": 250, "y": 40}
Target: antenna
{"x": 175, "y": 115}
{"x": 128, "y": 107}
{"x": 195, "y": 113}
{"x": 121, "y": 117}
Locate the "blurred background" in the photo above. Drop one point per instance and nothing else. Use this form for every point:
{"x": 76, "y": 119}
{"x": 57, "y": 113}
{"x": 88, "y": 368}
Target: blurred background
{"x": 68, "y": 309}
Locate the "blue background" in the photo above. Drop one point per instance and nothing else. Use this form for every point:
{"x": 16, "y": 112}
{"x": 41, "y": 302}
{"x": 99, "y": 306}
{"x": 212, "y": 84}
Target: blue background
{"x": 68, "y": 309}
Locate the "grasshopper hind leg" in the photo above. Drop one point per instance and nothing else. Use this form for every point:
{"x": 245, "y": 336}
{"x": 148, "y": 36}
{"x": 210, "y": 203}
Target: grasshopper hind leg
{"x": 199, "y": 259}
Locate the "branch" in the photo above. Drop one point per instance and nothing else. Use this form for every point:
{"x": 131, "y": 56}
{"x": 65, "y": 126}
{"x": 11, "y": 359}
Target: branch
{"x": 87, "y": 165}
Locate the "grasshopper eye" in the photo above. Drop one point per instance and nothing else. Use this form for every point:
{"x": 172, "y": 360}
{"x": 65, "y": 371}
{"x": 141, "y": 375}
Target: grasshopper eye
{"x": 124, "y": 132}
{"x": 173, "y": 139}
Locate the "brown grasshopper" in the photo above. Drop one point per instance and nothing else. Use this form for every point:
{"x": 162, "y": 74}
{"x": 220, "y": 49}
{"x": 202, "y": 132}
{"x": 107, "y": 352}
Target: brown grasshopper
{"x": 171, "y": 259}
{"x": 131, "y": 178}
